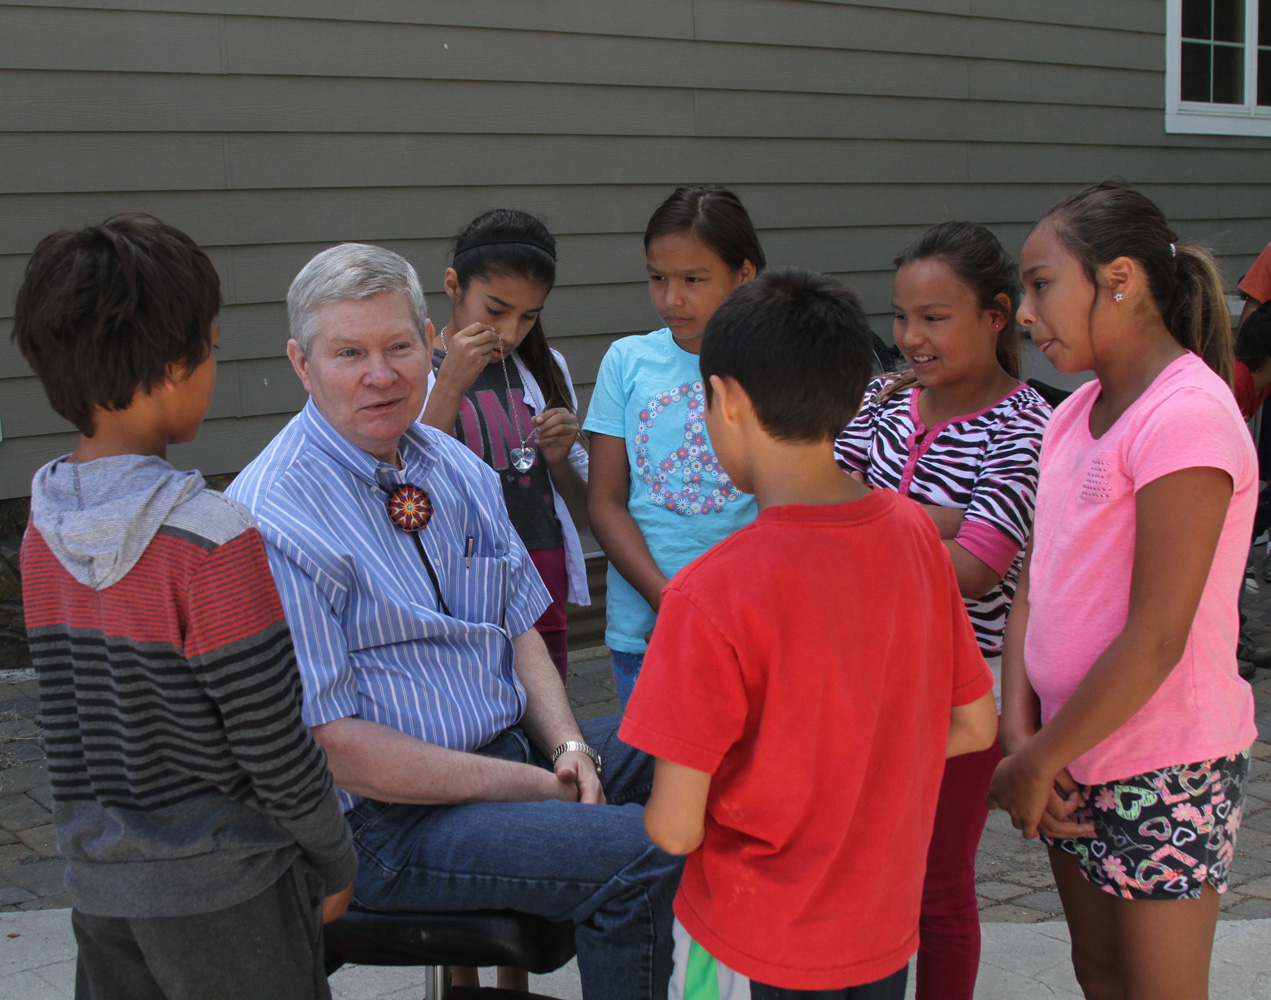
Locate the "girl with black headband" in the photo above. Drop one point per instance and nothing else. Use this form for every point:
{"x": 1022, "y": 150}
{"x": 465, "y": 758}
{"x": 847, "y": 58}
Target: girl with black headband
{"x": 501, "y": 390}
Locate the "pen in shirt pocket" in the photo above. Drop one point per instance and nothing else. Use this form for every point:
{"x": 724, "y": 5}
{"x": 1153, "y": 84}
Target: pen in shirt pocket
{"x": 468, "y": 552}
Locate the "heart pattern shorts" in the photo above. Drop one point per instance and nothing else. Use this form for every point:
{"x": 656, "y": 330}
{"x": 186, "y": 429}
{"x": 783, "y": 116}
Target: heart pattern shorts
{"x": 1163, "y": 834}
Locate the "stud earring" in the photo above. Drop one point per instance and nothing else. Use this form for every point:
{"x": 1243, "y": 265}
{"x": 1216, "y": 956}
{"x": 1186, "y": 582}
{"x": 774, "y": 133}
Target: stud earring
{"x": 1118, "y": 296}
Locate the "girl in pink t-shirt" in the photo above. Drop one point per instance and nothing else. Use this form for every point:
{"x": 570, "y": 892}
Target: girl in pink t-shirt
{"x": 1126, "y": 725}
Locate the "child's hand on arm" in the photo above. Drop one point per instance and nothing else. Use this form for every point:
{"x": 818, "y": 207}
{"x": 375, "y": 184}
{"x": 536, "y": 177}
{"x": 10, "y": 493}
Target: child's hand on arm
{"x": 675, "y": 817}
{"x": 1065, "y": 799}
{"x": 1038, "y": 804}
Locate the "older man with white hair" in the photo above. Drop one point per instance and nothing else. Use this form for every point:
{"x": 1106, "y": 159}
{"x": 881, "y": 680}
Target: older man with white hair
{"x": 465, "y": 777}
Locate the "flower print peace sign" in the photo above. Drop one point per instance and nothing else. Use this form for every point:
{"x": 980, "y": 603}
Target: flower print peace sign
{"x": 689, "y": 480}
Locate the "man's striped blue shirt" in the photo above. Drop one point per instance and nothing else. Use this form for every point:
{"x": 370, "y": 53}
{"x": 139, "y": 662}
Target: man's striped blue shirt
{"x": 370, "y": 638}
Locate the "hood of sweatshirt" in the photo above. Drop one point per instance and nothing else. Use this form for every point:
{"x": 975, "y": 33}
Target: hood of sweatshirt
{"x": 99, "y": 516}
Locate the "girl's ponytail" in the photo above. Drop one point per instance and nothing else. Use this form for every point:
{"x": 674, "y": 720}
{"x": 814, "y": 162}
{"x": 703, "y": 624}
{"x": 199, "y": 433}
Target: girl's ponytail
{"x": 1197, "y": 313}
{"x": 1110, "y": 220}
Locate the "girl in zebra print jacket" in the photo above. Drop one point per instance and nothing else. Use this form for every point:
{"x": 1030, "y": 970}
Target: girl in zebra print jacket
{"x": 960, "y": 434}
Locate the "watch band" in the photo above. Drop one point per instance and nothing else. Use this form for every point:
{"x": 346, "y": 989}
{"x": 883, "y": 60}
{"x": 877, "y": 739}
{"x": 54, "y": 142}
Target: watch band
{"x": 576, "y": 746}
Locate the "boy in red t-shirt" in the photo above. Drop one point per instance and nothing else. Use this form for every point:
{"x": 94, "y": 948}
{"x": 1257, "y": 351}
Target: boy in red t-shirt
{"x": 806, "y": 679}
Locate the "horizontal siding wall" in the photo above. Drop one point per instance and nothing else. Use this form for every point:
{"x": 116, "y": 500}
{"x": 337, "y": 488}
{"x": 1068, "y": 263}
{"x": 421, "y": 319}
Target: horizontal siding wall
{"x": 845, "y": 127}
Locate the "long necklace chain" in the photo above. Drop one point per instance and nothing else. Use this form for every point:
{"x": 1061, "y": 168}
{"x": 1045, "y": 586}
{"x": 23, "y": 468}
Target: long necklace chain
{"x": 523, "y": 456}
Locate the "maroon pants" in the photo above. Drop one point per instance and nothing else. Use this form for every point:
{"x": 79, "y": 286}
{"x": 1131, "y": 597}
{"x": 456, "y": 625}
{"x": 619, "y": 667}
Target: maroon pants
{"x": 550, "y": 564}
{"x": 949, "y": 928}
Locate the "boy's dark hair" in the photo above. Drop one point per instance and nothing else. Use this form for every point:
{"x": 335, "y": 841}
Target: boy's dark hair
{"x": 798, "y": 343}
{"x": 103, "y": 311}
{"x": 715, "y": 216}
{"x": 1253, "y": 342}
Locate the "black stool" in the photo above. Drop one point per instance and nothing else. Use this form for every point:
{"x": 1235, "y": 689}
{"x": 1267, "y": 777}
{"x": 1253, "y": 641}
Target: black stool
{"x": 437, "y": 940}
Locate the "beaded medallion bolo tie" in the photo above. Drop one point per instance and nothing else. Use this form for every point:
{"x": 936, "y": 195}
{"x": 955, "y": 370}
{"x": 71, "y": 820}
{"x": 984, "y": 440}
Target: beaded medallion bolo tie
{"x": 410, "y": 508}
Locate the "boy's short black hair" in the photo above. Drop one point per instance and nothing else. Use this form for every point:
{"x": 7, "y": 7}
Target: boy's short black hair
{"x": 103, "y": 311}
{"x": 798, "y": 343}
{"x": 1253, "y": 342}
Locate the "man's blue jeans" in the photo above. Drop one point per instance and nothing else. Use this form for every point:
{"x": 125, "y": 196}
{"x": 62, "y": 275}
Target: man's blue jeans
{"x": 593, "y": 865}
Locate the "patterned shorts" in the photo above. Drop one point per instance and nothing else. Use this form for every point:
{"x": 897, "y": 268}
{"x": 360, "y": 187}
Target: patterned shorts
{"x": 1163, "y": 834}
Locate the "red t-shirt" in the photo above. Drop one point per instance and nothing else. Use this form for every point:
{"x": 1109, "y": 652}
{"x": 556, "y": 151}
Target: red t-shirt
{"x": 1248, "y": 397}
{"x": 809, "y": 663}
{"x": 1257, "y": 283}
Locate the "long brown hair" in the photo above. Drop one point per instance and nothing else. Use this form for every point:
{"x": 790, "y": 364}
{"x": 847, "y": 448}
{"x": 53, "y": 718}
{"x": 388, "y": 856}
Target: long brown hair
{"x": 509, "y": 242}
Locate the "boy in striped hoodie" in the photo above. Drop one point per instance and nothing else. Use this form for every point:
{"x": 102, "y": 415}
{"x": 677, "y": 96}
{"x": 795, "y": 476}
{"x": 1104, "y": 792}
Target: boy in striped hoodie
{"x": 204, "y": 844}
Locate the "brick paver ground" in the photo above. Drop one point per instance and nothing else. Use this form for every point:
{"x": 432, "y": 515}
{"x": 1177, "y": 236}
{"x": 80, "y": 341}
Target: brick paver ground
{"x": 1014, "y": 881}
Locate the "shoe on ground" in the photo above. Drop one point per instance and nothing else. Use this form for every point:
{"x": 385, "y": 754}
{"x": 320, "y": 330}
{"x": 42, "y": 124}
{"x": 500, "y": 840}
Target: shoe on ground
{"x": 1251, "y": 652}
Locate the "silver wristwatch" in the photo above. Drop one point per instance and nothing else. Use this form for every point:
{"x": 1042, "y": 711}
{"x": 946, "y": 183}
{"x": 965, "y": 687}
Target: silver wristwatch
{"x": 576, "y": 746}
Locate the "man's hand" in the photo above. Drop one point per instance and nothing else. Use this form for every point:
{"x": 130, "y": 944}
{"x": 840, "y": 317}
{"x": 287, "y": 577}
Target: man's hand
{"x": 557, "y": 431}
{"x": 333, "y": 906}
{"x": 577, "y": 771}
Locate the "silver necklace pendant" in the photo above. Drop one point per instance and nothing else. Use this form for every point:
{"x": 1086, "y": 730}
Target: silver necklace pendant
{"x": 523, "y": 458}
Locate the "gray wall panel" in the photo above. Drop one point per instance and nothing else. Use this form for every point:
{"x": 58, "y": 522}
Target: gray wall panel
{"x": 886, "y": 29}
{"x": 50, "y": 101}
{"x": 845, "y": 126}
{"x": 54, "y": 163}
{"x": 645, "y": 18}
{"x": 78, "y": 40}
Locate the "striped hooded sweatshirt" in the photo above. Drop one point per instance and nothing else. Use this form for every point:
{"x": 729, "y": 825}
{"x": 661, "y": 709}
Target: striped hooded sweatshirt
{"x": 184, "y": 780}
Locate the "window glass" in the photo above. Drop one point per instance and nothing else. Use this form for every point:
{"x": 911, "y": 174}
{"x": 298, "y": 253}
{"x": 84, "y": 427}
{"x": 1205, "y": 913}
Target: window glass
{"x": 1195, "y": 72}
{"x": 1218, "y": 67}
{"x": 1229, "y": 75}
{"x": 1197, "y": 19}
{"x": 1229, "y": 21}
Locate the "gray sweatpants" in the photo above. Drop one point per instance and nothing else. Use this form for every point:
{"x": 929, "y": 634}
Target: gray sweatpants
{"x": 267, "y": 948}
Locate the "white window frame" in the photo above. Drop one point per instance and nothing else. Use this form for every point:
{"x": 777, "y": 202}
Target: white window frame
{"x": 1212, "y": 119}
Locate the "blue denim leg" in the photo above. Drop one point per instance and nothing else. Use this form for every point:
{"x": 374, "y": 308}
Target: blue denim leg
{"x": 589, "y": 864}
{"x": 626, "y": 668}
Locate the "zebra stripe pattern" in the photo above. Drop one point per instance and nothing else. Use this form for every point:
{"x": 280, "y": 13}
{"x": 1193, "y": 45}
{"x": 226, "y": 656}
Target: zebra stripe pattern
{"x": 983, "y": 463}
